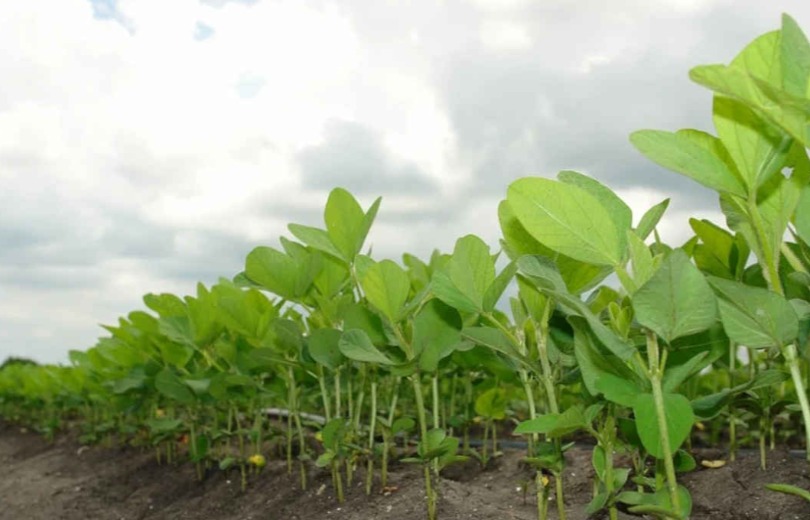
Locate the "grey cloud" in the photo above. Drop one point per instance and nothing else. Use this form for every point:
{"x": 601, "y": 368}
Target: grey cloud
{"x": 354, "y": 157}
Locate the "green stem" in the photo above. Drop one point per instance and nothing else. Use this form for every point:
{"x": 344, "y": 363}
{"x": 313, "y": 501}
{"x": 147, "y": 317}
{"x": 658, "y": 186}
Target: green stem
{"x": 655, "y": 376}
{"x": 420, "y": 407}
{"x": 370, "y": 467}
{"x": 791, "y": 356}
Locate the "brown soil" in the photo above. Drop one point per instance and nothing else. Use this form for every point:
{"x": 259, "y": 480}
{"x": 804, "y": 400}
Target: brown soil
{"x": 63, "y": 480}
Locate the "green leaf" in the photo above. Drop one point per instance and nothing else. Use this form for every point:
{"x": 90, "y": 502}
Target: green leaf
{"x": 673, "y": 377}
{"x": 618, "y": 209}
{"x": 651, "y": 218}
{"x": 795, "y": 54}
{"x": 554, "y": 424}
{"x": 568, "y": 220}
{"x": 641, "y": 259}
{"x": 694, "y": 154}
{"x": 323, "y": 346}
{"x": 679, "y": 419}
{"x": 492, "y": 404}
{"x": 598, "y": 502}
{"x": 386, "y": 286}
{"x": 345, "y": 223}
{"x": 778, "y": 106}
{"x": 280, "y": 273}
{"x": 357, "y": 316}
{"x": 494, "y": 339}
{"x": 436, "y": 333}
{"x": 753, "y": 316}
{"x": 315, "y": 238}
{"x": 355, "y": 344}
{"x": 544, "y": 274}
{"x": 467, "y": 276}
{"x": 498, "y": 286}
{"x": 677, "y": 300}
{"x": 578, "y": 276}
{"x": 168, "y": 384}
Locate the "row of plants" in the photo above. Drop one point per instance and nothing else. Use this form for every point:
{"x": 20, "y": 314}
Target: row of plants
{"x": 583, "y": 325}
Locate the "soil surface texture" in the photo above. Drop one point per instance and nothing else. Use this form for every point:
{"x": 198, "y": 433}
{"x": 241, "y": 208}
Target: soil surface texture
{"x": 64, "y": 480}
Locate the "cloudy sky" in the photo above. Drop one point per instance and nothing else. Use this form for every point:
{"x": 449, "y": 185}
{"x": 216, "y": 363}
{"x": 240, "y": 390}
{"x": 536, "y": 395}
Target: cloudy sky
{"x": 146, "y": 145}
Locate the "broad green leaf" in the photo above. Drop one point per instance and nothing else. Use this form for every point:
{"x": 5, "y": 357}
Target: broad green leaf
{"x": 495, "y": 339}
{"x": 436, "y": 332}
{"x": 603, "y": 373}
{"x": 795, "y": 58}
{"x": 714, "y": 254}
{"x": 676, "y": 375}
{"x": 166, "y": 305}
{"x": 757, "y": 148}
{"x": 620, "y": 212}
{"x": 677, "y": 300}
{"x": 651, "y": 218}
{"x": 568, "y": 220}
{"x": 492, "y": 404}
{"x": 280, "y": 273}
{"x": 778, "y": 106}
{"x": 316, "y": 238}
{"x": 658, "y": 504}
{"x": 355, "y": 344}
{"x": 465, "y": 279}
{"x": 753, "y": 316}
{"x": 517, "y": 242}
{"x": 357, "y": 316}
{"x": 323, "y": 346}
{"x": 679, "y": 418}
{"x": 168, "y": 384}
{"x": 694, "y": 154}
{"x": 386, "y": 286}
{"x": 554, "y": 424}
{"x": 345, "y": 223}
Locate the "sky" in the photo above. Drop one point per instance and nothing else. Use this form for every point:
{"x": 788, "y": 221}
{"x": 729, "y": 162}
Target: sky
{"x": 146, "y": 145}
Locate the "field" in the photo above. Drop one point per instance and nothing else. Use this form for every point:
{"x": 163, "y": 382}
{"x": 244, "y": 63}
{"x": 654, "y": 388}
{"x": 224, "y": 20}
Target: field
{"x": 320, "y": 382}
{"x": 65, "y": 481}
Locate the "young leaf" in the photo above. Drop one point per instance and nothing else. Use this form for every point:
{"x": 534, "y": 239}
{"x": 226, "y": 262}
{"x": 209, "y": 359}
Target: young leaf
{"x": 694, "y": 154}
{"x": 677, "y": 300}
{"x": 386, "y": 285}
{"x": 467, "y": 276}
{"x": 679, "y": 419}
{"x": 568, "y": 219}
{"x": 651, "y": 218}
{"x": 345, "y": 223}
{"x": 316, "y": 238}
{"x": 753, "y": 316}
{"x": 436, "y": 332}
{"x": 355, "y": 344}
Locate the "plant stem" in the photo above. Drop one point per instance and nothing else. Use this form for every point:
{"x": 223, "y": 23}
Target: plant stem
{"x": 420, "y": 407}
{"x": 373, "y": 420}
{"x": 732, "y": 420}
{"x": 655, "y": 375}
{"x": 791, "y": 356}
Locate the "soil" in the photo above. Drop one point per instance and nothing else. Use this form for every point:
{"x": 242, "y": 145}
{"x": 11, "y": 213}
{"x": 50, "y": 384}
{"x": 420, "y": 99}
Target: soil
{"x": 64, "y": 480}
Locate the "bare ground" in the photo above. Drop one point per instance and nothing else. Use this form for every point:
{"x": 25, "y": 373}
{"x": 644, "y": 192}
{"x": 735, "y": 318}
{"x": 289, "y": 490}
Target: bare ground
{"x": 63, "y": 480}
